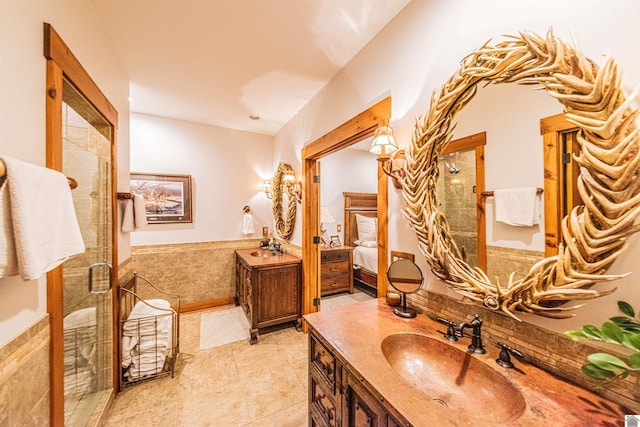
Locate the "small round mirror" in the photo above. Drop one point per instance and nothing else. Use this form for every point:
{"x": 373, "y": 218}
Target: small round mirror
{"x": 406, "y": 277}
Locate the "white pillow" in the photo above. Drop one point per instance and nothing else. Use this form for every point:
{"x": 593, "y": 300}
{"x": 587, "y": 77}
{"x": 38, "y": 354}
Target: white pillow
{"x": 367, "y": 228}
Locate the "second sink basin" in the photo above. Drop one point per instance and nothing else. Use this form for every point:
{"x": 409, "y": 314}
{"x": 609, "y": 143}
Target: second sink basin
{"x": 264, "y": 254}
{"x": 452, "y": 377}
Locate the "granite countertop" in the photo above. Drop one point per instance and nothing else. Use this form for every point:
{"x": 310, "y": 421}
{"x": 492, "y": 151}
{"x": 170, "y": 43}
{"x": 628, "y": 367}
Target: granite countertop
{"x": 356, "y": 332}
{"x": 265, "y": 261}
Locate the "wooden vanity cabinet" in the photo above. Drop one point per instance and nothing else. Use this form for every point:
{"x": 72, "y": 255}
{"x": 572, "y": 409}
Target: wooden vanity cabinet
{"x": 337, "y": 397}
{"x": 269, "y": 291}
{"x": 336, "y": 270}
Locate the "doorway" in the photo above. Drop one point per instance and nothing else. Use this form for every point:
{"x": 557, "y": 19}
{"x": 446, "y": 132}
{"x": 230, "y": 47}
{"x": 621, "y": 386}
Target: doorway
{"x": 355, "y": 130}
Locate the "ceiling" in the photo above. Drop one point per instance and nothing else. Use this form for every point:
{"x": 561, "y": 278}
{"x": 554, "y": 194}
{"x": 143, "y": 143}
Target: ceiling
{"x": 219, "y": 62}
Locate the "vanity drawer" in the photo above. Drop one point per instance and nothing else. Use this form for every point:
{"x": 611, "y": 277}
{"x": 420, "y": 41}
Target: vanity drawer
{"x": 322, "y": 406}
{"x": 332, "y": 268}
{"x": 322, "y": 363}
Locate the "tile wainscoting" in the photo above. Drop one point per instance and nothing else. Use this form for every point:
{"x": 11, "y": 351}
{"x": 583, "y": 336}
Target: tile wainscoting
{"x": 546, "y": 349}
{"x": 24, "y": 377}
{"x": 202, "y": 273}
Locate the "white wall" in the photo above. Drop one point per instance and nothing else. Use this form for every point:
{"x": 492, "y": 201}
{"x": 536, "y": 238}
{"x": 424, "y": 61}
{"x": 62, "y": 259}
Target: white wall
{"x": 347, "y": 170}
{"x": 22, "y": 113}
{"x": 226, "y": 167}
{"x": 423, "y": 46}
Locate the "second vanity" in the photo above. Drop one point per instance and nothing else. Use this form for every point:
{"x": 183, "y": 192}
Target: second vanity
{"x": 268, "y": 288}
{"x": 368, "y": 367}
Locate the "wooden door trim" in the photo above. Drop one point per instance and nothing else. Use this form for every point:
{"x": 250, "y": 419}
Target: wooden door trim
{"x": 354, "y": 130}
{"x": 551, "y": 129}
{"x": 60, "y": 63}
{"x": 476, "y": 142}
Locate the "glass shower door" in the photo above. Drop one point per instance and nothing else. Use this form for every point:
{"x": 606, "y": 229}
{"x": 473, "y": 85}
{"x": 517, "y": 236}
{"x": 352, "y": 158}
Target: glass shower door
{"x": 86, "y": 154}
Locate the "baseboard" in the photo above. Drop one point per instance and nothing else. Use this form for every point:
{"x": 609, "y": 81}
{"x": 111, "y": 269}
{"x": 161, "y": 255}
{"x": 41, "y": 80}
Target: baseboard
{"x": 203, "y": 305}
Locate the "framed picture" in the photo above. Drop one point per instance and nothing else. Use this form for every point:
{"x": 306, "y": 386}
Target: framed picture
{"x": 167, "y": 198}
{"x": 335, "y": 241}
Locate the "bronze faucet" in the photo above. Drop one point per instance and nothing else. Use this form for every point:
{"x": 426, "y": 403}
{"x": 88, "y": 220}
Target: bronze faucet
{"x": 476, "y": 335}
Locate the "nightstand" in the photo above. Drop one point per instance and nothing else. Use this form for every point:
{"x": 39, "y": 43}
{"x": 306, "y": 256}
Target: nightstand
{"x": 336, "y": 270}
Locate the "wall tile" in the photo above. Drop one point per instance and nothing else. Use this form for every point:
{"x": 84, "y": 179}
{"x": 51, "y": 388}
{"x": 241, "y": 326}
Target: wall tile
{"x": 24, "y": 373}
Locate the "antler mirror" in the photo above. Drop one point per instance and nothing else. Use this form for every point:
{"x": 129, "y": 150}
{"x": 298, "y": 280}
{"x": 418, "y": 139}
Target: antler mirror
{"x": 283, "y": 183}
{"x": 594, "y": 233}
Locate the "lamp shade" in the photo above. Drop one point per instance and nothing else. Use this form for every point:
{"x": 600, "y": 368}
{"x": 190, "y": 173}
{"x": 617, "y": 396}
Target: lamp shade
{"x": 383, "y": 143}
{"x": 325, "y": 215}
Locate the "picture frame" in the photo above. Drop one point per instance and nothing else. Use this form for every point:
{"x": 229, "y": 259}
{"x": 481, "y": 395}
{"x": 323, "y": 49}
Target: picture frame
{"x": 167, "y": 197}
{"x": 335, "y": 241}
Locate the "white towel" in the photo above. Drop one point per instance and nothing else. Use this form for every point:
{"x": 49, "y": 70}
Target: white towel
{"x": 8, "y": 258}
{"x": 139, "y": 211}
{"x": 128, "y": 223}
{"x": 247, "y": 224}
{"x": 519, "y": 207}
{"x": 134, "y": 215}
{"x": 45, "y": 226}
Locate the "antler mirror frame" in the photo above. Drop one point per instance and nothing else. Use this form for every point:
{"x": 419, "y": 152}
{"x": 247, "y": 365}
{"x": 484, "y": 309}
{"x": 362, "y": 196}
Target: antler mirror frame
{"x": 595, "y": 233}
{"x": 284, "y": 227}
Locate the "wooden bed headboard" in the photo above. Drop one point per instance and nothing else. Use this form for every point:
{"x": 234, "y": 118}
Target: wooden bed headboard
{"x": 357, "y": 203}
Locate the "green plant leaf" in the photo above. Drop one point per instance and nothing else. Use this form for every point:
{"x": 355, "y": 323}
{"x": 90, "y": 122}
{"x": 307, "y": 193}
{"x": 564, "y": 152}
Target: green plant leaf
{"x": 632, "y": 341}
{"x": 591, "y": 332}
{"x": 634, "y": 361}
{"x": 612, "y": 332}
{"x": 607, "y": 362}
{"x": 626, "y": 323}
{"x": 593, "y": 371}
{"x": 626, "y": 308}
{"x": 575, "y": 334}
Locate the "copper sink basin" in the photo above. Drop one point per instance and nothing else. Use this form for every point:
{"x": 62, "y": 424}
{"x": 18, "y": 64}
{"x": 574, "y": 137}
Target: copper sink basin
{"x": 453, "y": 378}
{"x": 263, "y": 254}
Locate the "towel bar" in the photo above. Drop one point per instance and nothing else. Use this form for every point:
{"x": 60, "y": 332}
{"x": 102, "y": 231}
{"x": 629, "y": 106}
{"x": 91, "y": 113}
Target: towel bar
{"x": 491, "y": 193}
{"x": 73, "y": 184}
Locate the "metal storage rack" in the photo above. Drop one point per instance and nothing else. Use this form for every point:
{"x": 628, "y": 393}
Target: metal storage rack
{"x": 149, "y": 331}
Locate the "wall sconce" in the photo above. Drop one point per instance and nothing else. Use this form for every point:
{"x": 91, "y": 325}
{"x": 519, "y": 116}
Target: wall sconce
{"x": 266, "y": 187}
{"x": 393, "y": 160}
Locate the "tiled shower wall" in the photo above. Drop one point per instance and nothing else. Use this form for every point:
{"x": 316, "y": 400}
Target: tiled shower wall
{"x": 24, "y": 377}
{"x": 549, "y": 350}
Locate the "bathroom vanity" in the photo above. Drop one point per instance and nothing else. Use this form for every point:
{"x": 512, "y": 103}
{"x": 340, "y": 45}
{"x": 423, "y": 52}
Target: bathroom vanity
{"x": 268, "y": 288}
{"x": 368, "y": 367}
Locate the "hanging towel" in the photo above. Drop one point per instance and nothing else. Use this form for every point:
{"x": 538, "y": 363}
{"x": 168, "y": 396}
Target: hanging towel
{"x": 247, "y": 224}
{"x": 139, "y": 212}
{"x": 519, "y": 207}
{"x": 134, "y": 216}
{"x": 128, "y": 222}
{"x": 43, "y": 218}
{"x": 8, "y": 259}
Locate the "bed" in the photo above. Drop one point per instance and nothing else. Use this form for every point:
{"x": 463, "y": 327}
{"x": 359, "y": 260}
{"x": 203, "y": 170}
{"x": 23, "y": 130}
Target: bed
{"x": 365, "y": 253}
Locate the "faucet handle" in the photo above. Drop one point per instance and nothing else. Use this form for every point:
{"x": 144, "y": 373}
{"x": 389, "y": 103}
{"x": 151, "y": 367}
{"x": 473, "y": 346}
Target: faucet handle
{"x": 504, "y": 359}
{"x": 451, "y": 334}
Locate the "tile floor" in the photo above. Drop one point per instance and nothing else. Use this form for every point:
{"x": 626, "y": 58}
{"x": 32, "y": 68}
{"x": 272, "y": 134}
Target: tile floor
{"x": 235, "y": 384}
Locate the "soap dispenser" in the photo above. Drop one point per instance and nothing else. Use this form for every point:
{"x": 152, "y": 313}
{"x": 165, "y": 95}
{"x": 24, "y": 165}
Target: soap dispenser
{"x": 272, "y": 246}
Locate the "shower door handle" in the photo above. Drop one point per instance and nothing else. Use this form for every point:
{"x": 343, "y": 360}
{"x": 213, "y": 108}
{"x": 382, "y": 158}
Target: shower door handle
{"x": 92, "y": 268}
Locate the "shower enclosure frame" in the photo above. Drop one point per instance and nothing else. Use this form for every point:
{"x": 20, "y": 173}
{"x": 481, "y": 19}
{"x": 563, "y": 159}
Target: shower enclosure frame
{"x": 61, "y": 63}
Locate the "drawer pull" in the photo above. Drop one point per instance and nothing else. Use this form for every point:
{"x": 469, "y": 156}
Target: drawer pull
{"x": 334, "y": 284}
